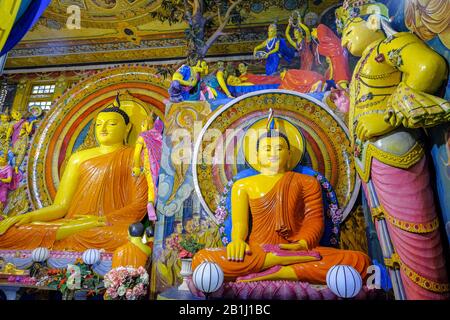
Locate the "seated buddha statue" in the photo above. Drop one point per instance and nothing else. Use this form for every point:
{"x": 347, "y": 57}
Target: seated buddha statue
{"x": 97, "y": 198}
{"x": 278, "y": 220}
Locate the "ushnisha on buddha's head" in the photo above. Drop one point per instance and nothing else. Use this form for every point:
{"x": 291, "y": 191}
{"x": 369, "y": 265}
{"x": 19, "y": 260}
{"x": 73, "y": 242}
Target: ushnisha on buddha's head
{"x": 360, "y": 23}
{"x": 112, "y": 126}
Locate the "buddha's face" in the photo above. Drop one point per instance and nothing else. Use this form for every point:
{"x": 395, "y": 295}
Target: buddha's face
{"x": 16, "y": 115}
{"x": 357, "y": 36}
{"x": 179, "y": 228}
{"x": 297, "y": 34}
{"x": 272, "y": 32}
{"x": 242, "y": 68}
{"x": 273, "y": 154}
{"x": 110, "y": 128}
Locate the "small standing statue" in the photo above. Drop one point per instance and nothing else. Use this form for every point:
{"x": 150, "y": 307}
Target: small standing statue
{"x": 148, "y": 162}
{"x": 301, "y": 43}
{"x": 274, "y": 49}
{"x": 5, "y": 131}
{"x": 185, "y": 82}
{"x": 6, "y": 179}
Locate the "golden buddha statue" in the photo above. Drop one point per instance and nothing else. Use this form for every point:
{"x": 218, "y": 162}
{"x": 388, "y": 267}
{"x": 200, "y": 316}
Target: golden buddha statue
{"x": 96, "y": 201}
{"x": 277, "y": 217}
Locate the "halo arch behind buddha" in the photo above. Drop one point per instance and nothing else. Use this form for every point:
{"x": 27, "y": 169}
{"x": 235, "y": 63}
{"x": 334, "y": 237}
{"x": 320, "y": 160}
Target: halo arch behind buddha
{"x": 219, "y": 149}
{"x": 67, "y": 127}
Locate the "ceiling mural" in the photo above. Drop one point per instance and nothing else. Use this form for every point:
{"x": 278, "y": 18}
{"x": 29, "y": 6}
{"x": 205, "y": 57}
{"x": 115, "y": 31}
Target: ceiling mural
{"x": 123, "y": 30}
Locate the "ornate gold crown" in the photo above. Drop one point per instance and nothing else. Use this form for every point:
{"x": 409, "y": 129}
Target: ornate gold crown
{"x": 358, "y": 8}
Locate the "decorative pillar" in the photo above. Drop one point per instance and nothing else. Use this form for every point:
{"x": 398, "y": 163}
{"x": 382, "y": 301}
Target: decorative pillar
{"x": 20, "y": 99}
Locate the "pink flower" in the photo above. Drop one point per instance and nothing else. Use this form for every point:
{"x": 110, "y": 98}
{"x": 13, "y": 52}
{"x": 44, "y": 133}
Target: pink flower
{"x": 112, "y": 293}
{"x": 185, "y": 254}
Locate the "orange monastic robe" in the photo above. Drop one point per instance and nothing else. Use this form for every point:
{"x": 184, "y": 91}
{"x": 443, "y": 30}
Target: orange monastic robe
{"x": 129, "y": 255}
{"x": 105, "y": 188}
{"x": 291, "y": 211}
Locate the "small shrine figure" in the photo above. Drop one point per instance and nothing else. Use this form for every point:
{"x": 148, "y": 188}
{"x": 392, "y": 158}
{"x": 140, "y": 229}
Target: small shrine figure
{"x": 5, "y": 131}
{"x": 147, "y": 157}
{"x": 301, "y": 42}
{"x": 6, "y": 180}
{"x": 135, "y": 253}
{"x": 185, "y": 82}
{"x": 274, "y": 48}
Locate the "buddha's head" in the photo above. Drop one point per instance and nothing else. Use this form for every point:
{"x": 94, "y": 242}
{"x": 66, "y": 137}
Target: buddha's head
{"x": 242, "y": 68}
{"x": 112, "y": 126}
{"x": 4, "y": 117}
{"x": 16, "y": 115}
{"x": 272, "y": 31}
{"x": 273, "y": 150}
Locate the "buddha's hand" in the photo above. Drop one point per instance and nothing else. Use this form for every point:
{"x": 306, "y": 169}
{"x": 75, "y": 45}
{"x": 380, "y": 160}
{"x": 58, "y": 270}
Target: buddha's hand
{"x": 372, "y": 125}
{"x": 300, "y": 245}
{"x": 98, "y": 221}
{"x": 237, "y": 249}
{"x": 17, "y": 220}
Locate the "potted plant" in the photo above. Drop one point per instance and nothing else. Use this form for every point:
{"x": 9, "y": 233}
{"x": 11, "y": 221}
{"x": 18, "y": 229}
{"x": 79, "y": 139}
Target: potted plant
{"x": 189, "y": 246}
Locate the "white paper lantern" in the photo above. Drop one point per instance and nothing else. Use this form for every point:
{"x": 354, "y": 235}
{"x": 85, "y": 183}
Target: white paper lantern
{"x": 208, "y": 277}
{"x": 91, "y": 256}
{"x": 344, "y": 281}
{"x": 40, "y": 254}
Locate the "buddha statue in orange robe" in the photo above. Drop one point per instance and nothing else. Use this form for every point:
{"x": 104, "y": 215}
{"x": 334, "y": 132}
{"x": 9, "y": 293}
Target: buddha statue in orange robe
{"x": 277, "y": 223}
{"x": 96, "y": 201}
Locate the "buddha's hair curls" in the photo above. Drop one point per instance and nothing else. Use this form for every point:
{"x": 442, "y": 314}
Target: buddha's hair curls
{"x": 273, "y": 134}
{"x": 115, "y": 109}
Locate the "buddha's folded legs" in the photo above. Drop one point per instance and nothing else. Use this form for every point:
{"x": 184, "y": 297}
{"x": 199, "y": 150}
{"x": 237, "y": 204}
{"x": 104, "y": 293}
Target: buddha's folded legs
{"x": 261, "y": 265}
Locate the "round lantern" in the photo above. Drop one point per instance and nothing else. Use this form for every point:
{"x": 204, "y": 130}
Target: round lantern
{"x": 344, "y": 281}
{"x": 40, "y": 254}
{"x": 208, "y": 277}
{"x": 91, "y": 256}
